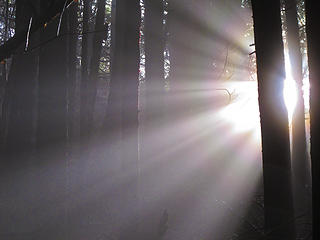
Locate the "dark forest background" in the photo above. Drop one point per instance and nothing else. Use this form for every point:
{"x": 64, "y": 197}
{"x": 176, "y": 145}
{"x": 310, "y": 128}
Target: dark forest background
{"x": 128, "y": 119}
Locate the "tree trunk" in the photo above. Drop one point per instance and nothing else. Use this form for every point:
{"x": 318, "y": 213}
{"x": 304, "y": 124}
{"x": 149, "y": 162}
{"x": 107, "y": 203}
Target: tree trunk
{"x": 125, "y": 67}
{"x": 154, "y": 53}
{"x": 299, "y": 149}
{"x": 72, "y": 69}
{"x": 278, "y": 202}
{"x": 153, "y": 116}
{"x": 3, "y": 81}
{"x": 91, "y": 161}
{"x": 19, "y": 143}
{"x": 154, "y": 47}
{"x": 313, "y": 38}
{"x": 101, "y": 31}
{"x": 301, "y": 179}
{"x": 84, "y": 148}
{"x": 84, "y": 114}
{"x": 72, "y": 177}
{"x": 3, "y": 86}
{"x": 52, "y": 132}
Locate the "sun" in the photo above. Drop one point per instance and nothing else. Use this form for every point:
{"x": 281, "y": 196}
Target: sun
{"x": 243, "y": 111}
{"x": 290, "y": 89}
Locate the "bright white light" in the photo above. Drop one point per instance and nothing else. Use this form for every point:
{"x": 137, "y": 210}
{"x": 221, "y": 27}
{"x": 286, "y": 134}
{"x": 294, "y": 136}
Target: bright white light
{"x": 290, "y": 96}
{"x": 290, "y": 89}
{"x": 243, "y": 110}
{"x": 306, "y": 93}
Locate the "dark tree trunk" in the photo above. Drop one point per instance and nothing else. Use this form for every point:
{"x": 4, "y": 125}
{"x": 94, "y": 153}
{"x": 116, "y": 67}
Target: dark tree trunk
{"x": 84, "y": 93}
{"x": 101, "y": 31}
{"x": 20, "y": 132}
{"x": 3, "y": 81}
{"x": 3, "y": 85}
{"x": 154, "y": 53}
{"x": 72, "y": 179}
{"x": 313, "y": 38}
{"x": 278, "y": 202}
{"x": 301, "y": 178}
{"x": 72, "y": 69}
{"x": 110, "y": 135}
{"x": 52, "y": 132}
{"x": 84, "y": 148}
{"x": 299, "y": 148}
{"x": 154, "y": 46}
{"x": 91, "y": 162}
{"x": 181, "y": 26}
{"x": 153, "y": 116}
{"x": 111, "y": 132}
{"x": 124, "y": 83}
{"x": 22, "y": 84}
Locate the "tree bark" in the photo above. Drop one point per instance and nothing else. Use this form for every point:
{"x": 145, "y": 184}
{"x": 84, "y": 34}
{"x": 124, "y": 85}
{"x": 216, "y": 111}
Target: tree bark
{"x": 278, "y": 202}
{"x": 84, "y": 114}
{"x": 153, "y": 115}
{"x": 72, "y": 68}
{"x": 299, "y": 148}
{"x": 313, "y": 39}
{"x": 154, "y": 45}
{"x": 301, "y": 178}
{"x": 52, "y": 132}
{"x": 3, "y": 74}
{"x": 101, "y": 31}
{"x": 124, "y": 83}
{"x": 154, "y": 53}
{"x": 20, "y": 133}
{"x": 72, "y": 179}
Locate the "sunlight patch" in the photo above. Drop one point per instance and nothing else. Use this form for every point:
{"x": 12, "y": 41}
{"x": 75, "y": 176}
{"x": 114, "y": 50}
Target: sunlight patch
{"x": 290, "y": 89}
{"x": 243, "y": 112}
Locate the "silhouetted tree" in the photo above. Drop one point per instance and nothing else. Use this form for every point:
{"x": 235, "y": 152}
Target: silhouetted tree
{"x": 85, "y": 64}
{"x": 88, "y": 96}
{"x": 278, "y": 202}
{"x": 153, "y": 114}
{"x": 4, "y": 18}
{"x": 299, "y": 148}
{"x": 313, "y": 39}
{"x": 154, "y": 53}
{"x": 301, "y": 179}
{"x": 20, "y": 130}
{"x": 72, "y": 67}
{"x": 52, "y": 130}
{"x": 100, "y": 33}
{"x": 72, "y": 178}
{"x": 122, "y": 112}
